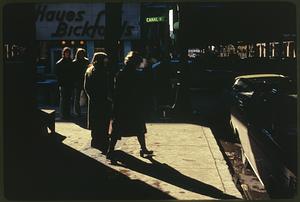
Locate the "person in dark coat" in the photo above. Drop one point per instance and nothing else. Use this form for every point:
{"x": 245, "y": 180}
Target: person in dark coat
{"x": 65, "y": 77}
{"x": 98, "y": 85}
{"x": 80, "y": 64}
{"x": 129, "y": 104}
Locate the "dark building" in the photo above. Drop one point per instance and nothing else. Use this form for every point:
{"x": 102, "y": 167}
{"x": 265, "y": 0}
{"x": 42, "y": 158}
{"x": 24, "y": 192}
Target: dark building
{"x": 261, "y": 36}
{"x": 217, "y": 23}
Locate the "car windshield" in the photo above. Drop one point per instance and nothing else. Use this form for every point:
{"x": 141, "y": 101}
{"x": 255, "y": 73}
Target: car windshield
{"x": 275, "y": 84}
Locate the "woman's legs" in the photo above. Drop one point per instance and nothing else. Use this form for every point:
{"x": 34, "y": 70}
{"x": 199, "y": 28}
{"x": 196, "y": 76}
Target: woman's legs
{"x": 65, "y": 101}
{"x": 112, "y": 144}
{"x": 144, "y": 151}
{"x": 142, "y": 141}
{"x": 77, "y": 108}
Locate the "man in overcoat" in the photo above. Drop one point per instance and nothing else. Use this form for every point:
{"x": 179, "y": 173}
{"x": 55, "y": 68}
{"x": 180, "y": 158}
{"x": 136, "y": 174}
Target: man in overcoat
{"x": 65, "y": 77}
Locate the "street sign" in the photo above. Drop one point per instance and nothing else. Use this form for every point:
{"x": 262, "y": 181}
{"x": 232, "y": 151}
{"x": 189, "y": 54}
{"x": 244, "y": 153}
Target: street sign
{"x": 156, "y": 19}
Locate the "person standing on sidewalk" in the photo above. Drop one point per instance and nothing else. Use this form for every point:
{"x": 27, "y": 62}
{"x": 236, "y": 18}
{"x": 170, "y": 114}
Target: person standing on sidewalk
{"x": 129, "y": 104}
{"x": 80, "y": 64}
{"x": 65, "y": 77}
{"x": 98, "y": 86}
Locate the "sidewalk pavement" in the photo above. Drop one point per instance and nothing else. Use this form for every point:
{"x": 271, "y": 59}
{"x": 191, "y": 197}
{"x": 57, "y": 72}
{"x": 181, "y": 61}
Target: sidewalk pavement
{"x": 188, "y": 163}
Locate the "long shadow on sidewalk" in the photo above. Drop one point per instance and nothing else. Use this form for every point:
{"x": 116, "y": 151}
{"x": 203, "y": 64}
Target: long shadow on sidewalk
{"x": 46, "y": 169}
{"x": 168, "y": 174}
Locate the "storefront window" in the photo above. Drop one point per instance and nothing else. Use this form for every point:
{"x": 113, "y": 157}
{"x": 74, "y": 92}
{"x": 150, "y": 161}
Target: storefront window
{"x": 192, "y": 53}
{"x": 291, "y": 49}
{"x": 14, "y": 52}
{"x": 274, "y": 50}
{"x": 288, "y": 49}
{"x": 242, "y": 51}
{"x": 262, "y": 50}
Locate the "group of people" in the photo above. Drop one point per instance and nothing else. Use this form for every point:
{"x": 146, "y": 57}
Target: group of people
{"x": 115, "y": 101}
{"x": 70, "y": 76}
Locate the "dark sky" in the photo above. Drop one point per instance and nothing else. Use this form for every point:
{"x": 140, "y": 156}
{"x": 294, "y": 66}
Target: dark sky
{"x": 206, "y": 23}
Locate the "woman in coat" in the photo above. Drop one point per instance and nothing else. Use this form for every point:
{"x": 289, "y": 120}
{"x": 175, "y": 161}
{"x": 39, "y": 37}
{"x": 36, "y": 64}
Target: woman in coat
{"x": 129, "y": 104}
{"x": 98, "y": 86}
{"x": 80, "y": 64}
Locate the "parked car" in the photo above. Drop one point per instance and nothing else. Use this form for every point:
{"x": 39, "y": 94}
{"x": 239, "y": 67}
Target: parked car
{"x": 264, "y": 116}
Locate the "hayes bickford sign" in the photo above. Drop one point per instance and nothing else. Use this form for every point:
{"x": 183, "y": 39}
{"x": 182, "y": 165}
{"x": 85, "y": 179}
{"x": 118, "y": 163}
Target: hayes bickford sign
{"x": 82, "y": 21}
{"x": 70, "y": 21}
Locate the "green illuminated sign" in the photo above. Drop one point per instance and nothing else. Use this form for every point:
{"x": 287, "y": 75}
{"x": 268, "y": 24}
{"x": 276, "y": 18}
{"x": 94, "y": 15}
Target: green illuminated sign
{"x": 156, "y": 19}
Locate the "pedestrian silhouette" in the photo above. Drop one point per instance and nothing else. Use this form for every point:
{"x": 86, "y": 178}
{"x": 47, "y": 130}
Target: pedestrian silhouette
{"x": 97, "y": 85}
{"x": 129, "y": 104}
{"x": 80, "y": 64}
{"x": 65, "y": 77}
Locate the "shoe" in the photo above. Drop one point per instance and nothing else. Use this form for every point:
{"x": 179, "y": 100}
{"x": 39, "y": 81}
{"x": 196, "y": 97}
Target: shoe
{"x": 104, "y": 150}
{"x": 110, "y": 155}
{"x": 144, "y": 153}
{"x": 100, "y": 147}
{"x": 95, "y": 145}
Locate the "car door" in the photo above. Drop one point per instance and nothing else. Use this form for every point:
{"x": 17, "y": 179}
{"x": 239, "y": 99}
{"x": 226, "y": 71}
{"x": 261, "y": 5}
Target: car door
{"x": 266, "y": 151}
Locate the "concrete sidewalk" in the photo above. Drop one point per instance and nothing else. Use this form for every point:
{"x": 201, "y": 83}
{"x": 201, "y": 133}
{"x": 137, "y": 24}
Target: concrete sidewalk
{"x": 188, "y": 163}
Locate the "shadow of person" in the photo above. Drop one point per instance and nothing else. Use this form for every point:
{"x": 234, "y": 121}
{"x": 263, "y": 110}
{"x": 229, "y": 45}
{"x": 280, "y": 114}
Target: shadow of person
{"x": 56, "y": 137}
{"x": 168, "y": 174}
{"x": 43, "y": 168}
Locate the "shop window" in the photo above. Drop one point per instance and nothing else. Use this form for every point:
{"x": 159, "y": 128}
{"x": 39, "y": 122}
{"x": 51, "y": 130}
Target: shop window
{"x": 192, "y": 53}
{"x": 274, "y": 50}
{"x": 262, "y": 50}
{"x": 292, "y": 49}
{"x": 251, "y": 51}
{"x": 242, "y": 51}
{"x": 288, "y": 48}
{"x": 6, "y": 51}
{"x": 14, "y": 52}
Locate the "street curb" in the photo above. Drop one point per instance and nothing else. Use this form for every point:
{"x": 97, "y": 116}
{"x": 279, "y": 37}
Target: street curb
{"x": 235, "y": 176}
